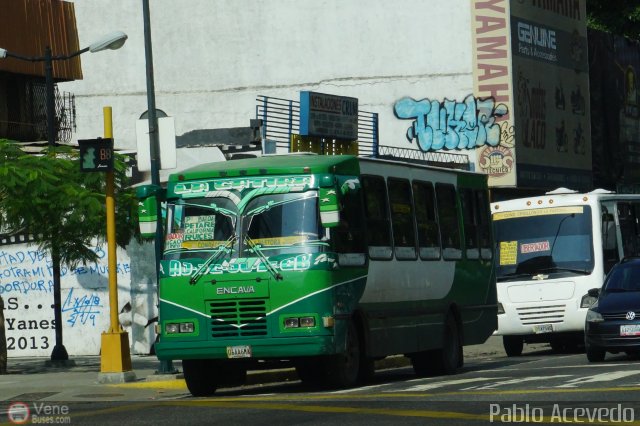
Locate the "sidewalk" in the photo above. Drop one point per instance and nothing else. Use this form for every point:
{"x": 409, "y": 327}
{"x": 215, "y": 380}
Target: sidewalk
{"x": 29, "y": 379}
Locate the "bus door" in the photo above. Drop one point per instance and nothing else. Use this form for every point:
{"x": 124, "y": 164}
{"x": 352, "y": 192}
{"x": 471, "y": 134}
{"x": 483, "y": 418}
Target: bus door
{"x": 611, "y": 250}
{"x": 628, "y": 213}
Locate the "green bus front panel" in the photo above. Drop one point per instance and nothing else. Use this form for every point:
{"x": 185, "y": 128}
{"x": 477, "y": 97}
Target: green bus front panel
{"x": 250, "y": 310}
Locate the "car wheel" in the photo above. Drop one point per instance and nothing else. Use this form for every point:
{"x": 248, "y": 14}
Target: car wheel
{"x": 595, "y": 354}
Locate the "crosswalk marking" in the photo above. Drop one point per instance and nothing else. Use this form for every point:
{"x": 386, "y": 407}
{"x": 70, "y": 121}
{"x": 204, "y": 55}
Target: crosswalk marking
{"x": 516, "y": 381}
{"x": 428, "y": 386}
{"x": 603, "y": 377}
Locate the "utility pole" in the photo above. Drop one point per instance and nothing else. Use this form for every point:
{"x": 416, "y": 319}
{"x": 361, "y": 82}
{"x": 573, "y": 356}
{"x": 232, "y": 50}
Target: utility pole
{"x": 166, "y": 366}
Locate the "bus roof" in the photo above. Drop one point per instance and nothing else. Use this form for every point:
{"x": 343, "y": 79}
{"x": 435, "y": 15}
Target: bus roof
{"x": 558, "y": 199}
{"x": 273, "y": 165}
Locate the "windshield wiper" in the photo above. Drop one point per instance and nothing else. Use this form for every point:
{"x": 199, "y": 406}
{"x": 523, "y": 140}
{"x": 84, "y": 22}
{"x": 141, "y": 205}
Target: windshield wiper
{"x": 257, "y": 250}
{"x": 222, "y": 249}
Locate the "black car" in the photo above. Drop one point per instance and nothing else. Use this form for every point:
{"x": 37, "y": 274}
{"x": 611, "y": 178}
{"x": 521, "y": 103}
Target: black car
{"x": 613, "y": 321}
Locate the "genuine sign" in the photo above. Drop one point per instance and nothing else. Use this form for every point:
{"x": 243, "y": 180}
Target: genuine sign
{"x": 328, "y": 116}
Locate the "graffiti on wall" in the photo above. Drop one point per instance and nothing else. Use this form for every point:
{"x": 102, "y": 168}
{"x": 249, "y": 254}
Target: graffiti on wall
{"x": 26, "y": 285}
{"x": 450, "y": 124}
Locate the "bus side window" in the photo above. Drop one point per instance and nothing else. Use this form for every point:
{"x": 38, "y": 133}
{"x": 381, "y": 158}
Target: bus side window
{"x": 609, "y": 241}
{"x": 426, "y": 220}
{"x": 376, "y": 209}
{"x": 349, "y": 236}
{"x": 470, "y": 223}
{"x": 402, "y": 223}
{"x": 448, "y": 219}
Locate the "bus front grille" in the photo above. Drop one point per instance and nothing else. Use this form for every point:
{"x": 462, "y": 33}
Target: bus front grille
{"x": 541, "y": 314}
{"x": 238, "y": 318}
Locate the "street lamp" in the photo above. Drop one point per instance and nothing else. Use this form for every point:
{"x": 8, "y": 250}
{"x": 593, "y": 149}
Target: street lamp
{"x": 114, "y": 40}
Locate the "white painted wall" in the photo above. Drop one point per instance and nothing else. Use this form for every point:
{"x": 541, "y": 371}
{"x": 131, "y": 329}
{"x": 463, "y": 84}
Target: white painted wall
{"x": 213, "y": 57}
{"x": 26, "y": 286}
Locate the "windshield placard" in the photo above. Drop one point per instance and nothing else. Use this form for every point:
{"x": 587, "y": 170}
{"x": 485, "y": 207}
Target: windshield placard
{"x": 508, "y": 252}
{"x": 538, "y": 212}
{"x": 199, "y": 228}
{"x": 535, "y": 247}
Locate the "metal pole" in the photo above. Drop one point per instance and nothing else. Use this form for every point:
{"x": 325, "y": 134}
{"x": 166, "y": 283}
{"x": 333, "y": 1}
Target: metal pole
{"x": 59, "y": 352}
{"x": 166, "y": 366}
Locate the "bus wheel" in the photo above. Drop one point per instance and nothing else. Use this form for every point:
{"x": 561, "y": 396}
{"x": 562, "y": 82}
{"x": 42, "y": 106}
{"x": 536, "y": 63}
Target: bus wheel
{"x": 450, "y": 356}
{"x": 513, "y": 345}
{"x": 199, "y": 376}
{"x": 343, "y": 369}
{"x": 445, "y": 360}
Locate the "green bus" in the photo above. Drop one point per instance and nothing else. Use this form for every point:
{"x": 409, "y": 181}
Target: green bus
{"x": 327, "y": 263}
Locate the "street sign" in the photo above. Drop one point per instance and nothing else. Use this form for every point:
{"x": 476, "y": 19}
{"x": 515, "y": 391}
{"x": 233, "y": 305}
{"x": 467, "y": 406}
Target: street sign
{"x": 96, "y": 155}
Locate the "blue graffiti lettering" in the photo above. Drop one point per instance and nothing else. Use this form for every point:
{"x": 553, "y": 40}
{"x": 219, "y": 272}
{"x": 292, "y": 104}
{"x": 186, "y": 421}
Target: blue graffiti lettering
{"x": 450, "y": 124}
{"x": 25, "y": 287}
{"x": 83, "y": 309}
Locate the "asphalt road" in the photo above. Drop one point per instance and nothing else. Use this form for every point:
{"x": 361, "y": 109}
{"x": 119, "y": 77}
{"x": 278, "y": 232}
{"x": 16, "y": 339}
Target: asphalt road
{"x": 539, "y": 387}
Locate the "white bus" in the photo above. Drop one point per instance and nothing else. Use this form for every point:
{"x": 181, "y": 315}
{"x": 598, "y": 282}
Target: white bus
{"x": 551, "y": 250}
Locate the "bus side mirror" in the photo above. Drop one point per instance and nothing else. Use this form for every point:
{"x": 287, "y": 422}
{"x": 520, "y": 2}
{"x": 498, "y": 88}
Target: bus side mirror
{"x": 148, "y": 209}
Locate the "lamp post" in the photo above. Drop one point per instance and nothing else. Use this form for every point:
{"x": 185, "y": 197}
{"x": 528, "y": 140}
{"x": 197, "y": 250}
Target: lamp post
{"x": 114, "y": 40}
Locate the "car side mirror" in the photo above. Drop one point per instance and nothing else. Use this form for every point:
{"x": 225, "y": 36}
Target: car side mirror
{"x": 594, "y": 292}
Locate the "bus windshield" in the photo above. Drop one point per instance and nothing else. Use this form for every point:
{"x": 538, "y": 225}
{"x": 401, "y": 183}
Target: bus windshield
{"x": 282, "y": 223}
{"x": 545, "y": 241}
{"x": 199, "y": 227}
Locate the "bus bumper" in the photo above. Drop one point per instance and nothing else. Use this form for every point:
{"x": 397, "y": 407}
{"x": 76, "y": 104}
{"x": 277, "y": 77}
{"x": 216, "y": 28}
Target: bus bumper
{"x": 540, "y": 319}
{"x": 257, "y": 349}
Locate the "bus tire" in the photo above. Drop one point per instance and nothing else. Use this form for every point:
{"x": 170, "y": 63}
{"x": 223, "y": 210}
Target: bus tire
{"x": 513, "y": 345}
{"x": 445, "y": 360}
{"x": 449, "y": 358}
{"x": 199, "y": 376}
{"x": 343, "y": 370}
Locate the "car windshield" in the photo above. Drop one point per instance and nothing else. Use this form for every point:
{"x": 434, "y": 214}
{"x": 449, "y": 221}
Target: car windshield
{"x": 624, "y": 277}
{"x": 550, "y": 240}
{"x": 197, "y": 228}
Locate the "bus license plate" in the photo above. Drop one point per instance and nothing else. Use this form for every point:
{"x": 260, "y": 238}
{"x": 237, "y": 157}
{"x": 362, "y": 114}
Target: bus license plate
{"x": 543, "y": 328}
{"x": 239, "y": 351}
{"x": 630, "y": 330}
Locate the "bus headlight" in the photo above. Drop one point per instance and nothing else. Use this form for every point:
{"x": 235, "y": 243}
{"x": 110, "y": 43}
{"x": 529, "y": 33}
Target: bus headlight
{"x": 179, "y": 327}
{"x": 291, "y": 323}
{"x": 186, "y": 327}
{"x": 172, "y": 328}
{"x": 307, "y": 322}
{"x": 593, "y": 316}
{"x": 300, "y": 322}
{"x": 500, "y": 308}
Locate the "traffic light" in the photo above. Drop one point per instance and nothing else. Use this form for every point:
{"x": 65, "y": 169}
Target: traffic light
{"x": 96, "y": 155}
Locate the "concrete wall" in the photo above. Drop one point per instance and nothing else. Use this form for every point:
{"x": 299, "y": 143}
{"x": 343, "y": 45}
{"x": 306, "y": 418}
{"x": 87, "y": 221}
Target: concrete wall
{"x": 26, "y": 285}
{"x": 213, "y": 57}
